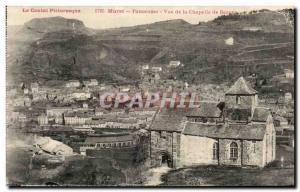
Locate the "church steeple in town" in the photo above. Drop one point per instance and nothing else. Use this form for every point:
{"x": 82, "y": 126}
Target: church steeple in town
{"x": 240, "y": 101}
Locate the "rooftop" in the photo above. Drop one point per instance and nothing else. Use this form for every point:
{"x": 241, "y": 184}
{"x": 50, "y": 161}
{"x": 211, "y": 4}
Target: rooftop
{"x": 226, "y": 131}
{"x": 261, "y": 114}
{"x": 99, "y": 138}
{"x": 169, "y": 120}
{"x": 241, "y": 87}
{"x": 80, "y": 114}
{"x": 206, "y": 109}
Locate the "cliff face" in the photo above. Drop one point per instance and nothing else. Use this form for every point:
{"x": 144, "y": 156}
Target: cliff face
{"x": 216, "y": 51}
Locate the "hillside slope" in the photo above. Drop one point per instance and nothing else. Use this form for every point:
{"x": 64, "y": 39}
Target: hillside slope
{"x": 58, "y": 48}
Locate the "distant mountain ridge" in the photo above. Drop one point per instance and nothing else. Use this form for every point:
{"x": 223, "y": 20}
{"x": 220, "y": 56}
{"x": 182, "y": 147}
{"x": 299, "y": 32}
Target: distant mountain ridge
{"x": 52, "y": 24}
{"x": 63, "y": 49}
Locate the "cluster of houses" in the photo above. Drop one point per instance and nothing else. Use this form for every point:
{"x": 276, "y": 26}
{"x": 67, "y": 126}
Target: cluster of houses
{"x": 108, "y": 141}
{"x": 152, "y": 74}
{"x": 236, "y": 131}
{"x": 282, "y": 88}
{"x": 279, "y": 95}
{"x": 88, "y": 118}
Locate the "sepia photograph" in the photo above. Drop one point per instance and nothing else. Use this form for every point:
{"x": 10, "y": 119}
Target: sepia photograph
{"x": 152, "y": 96}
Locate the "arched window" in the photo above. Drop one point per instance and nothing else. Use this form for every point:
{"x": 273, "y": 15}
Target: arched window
{"x": 215, "y": 151}
{"x": 238, "y": 100}
{"x": 233, "y": 151}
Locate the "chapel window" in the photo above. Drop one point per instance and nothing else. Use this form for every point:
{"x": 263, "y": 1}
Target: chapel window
{"x": 238, "y": 100}
{"x": 233, "y": 151}
{"x": 215, "y": 151}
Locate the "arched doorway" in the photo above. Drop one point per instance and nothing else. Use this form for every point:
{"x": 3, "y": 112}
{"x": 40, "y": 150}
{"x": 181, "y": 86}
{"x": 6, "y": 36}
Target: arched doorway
{"x": 165, "y": 159}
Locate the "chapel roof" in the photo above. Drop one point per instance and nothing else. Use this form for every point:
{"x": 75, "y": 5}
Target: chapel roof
{"x": 241, "y": 87}
{"x": 226, "y": 131}
{"x": 206, "y": 109}
{"x": 261, "y": 114}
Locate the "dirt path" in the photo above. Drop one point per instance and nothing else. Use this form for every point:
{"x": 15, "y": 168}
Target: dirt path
{"x": 257, "y": 50}
{"x": 155, "y": 174}
{"x": 268, "y": 44}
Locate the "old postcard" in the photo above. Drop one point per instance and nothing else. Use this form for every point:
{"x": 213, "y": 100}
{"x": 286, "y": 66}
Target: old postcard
{"x": 150, "y": 96}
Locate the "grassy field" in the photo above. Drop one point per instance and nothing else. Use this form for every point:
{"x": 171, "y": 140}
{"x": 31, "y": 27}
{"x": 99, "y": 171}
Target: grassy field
{"x": 272, "y": 175}
{"x": 216, "y": 176}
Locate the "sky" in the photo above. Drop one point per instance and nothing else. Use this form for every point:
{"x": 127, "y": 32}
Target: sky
{"x": 93, "y": 17}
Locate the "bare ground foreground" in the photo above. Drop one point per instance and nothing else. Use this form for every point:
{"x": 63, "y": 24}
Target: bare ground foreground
{"x": 272, "y": 175}
{"x": 155, "y": 174}
{"x": 19, "y": 173}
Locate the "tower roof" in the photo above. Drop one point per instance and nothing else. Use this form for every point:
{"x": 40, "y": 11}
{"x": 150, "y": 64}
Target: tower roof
{"x": 241, "y": 87}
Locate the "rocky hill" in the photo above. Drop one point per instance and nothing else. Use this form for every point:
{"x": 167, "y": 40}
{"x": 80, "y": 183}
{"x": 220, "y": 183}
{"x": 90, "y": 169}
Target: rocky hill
{"x": 220, "y": 50}
{"x": 45, "y": 25}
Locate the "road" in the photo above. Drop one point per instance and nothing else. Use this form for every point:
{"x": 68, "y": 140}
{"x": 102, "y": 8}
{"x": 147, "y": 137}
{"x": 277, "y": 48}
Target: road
{"x": 155, "y": 174}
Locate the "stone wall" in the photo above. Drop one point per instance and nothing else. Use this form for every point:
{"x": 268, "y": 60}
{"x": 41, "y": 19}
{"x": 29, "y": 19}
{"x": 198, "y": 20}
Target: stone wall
{"x": 185, "y": 150}
{"x": 270, "y": 140}
{"x": 224, "y": 152}
{"x": 164, "y": 143}
{"x": 196, "y": 150}
{"x": 245, "y": 101}
{"x": 176, "y": 153}
{"x": 268, "y": 145}
{"x": 252, "y": 153}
